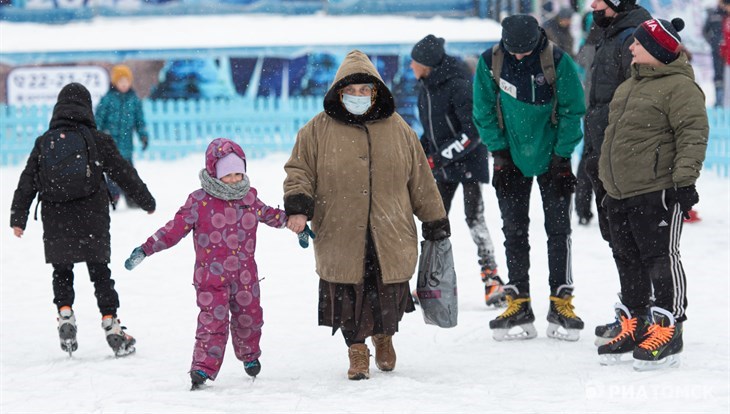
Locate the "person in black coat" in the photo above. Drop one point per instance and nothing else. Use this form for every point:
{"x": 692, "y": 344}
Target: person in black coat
{"x": 712, "y": 32}
{"x": 78, "y": 230}
{"x": 452, "y": 145}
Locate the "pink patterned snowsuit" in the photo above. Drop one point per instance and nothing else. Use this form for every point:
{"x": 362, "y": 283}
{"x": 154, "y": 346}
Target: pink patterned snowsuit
{"x": 226, "y": 276}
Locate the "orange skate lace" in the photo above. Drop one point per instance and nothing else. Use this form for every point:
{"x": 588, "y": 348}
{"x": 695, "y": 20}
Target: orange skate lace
{"x": 628, "y": 326}
{"x": 657, "y": 336}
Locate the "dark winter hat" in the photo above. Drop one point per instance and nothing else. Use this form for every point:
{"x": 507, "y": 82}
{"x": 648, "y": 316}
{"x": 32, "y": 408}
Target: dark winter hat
{"x": 620, "y": 5}
{"x": 429, "y": 51}
{"x": 520, "y": 33}
{"x": 565, "y": 13}
{"x": 661, "y": 38}
{"x": 74, "y": 93}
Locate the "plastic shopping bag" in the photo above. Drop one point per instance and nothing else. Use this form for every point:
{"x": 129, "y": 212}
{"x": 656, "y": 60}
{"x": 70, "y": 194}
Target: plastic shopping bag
{"x": 436, "y": 285}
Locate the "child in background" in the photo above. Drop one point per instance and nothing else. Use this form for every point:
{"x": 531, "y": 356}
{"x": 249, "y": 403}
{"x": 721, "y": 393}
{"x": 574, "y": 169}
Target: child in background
{"x": 223, "y": 215}
{"x": 120, "y": 114}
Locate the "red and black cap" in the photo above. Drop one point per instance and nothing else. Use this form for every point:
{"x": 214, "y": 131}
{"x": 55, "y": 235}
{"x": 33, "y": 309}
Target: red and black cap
{"x": 661, "y": 38}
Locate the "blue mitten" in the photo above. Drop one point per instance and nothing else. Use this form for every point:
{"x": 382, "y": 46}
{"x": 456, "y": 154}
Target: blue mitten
{"x": 305, "y": 235}
{"x": 135, "y": 258}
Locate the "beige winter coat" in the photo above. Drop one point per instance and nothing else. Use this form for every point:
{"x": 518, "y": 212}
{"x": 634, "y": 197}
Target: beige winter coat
{"x": 347, "y": 172}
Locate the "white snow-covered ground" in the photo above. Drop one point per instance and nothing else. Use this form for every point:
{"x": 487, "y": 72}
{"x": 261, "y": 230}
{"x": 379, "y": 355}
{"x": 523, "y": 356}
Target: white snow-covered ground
{"x": 458, "y": 370}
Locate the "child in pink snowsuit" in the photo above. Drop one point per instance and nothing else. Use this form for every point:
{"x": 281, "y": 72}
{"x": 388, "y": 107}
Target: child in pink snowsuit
{"x": 223, "y": 216}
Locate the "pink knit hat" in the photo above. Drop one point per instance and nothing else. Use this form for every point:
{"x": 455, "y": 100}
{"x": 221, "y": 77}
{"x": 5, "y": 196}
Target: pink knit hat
{"x": 231, "y": 163}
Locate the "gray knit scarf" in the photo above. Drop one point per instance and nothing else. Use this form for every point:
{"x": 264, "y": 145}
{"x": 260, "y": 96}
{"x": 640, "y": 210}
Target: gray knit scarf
{"x": 219, "y": 189}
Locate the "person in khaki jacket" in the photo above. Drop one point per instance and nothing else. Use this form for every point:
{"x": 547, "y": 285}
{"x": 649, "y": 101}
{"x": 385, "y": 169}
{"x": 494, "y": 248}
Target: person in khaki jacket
{"x": 358, "y": 172}
{"x": 651, "y": 157}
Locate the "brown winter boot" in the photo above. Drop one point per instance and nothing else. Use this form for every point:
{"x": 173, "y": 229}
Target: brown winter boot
{"x": 384, "y": 352}
{"x": 359, "y": 362}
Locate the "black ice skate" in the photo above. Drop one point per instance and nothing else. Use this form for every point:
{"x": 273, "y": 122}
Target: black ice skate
{"x": 662, "y": 345}
{"x": 563, "y": 322}
{"x": 493, "y": 287}
{"x": 121, "y": 342}
{"x": 197, "y": 378}
{"x": 252, "y": 368}
{"x": 518, "y": 314}
{"x": 633, "y": 332}
{"x": 606, "y": 333}
{"x": 67, "y": 330}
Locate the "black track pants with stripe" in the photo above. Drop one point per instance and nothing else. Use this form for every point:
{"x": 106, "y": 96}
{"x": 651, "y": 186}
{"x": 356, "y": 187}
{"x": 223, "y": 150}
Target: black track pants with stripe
{"x": 645, "y": 233}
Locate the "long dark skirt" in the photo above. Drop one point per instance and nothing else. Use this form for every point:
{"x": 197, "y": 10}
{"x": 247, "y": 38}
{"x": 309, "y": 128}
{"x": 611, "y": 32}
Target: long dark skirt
{"x": 365, "y": 309}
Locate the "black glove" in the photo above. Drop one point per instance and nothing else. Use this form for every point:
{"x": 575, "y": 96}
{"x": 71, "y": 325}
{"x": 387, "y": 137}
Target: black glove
{"x": 436, "y": 230}
{"x": 135, "y": 258}
{"x": 505, "y": 170}
{"x": 145, "y": 142}
{"x": 687, "y": 197}
{"x": 561, "y": 175}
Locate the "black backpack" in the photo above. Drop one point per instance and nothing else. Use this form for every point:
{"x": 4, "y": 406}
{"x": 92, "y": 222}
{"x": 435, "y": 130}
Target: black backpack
{"x": 69, "y": 165}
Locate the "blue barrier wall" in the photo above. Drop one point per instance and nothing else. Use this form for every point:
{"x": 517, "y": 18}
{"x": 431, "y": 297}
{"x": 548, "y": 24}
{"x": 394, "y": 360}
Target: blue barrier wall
{"x": 261, "y": 126}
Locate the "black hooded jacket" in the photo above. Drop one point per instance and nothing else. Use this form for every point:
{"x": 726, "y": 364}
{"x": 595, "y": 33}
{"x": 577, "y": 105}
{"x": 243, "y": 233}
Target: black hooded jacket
{"x": 444, "y": 97}
{"x": 78, "y": 230}
{"x": 611, "y": 67}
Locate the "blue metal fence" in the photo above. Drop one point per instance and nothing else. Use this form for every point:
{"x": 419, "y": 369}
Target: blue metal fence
{"x": 261, "y": 126}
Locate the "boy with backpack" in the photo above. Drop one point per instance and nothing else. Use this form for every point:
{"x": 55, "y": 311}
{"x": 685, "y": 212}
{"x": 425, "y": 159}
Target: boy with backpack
{"x": 528, "y": 102}
{"x": 65, "y": 169}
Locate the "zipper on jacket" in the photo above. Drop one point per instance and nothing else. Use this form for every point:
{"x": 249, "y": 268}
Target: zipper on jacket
{"x": 370, "y": 170}
{"x": 430, "y": 127}
{"x": 656, "y": 160}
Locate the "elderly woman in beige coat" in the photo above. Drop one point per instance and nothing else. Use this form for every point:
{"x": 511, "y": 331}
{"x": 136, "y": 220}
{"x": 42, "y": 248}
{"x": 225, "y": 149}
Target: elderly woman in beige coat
{"x": 358, "y": 172}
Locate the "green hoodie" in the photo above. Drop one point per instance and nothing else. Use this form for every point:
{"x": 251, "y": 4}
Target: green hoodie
{"x": 657, "y": 131}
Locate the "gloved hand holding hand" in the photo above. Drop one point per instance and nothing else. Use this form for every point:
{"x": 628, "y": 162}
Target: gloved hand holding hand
{"x": 561, "y": 174}
{"x": 505, "y": 170}
{"x": 135, "y": 258}
{"x": 687, "y": 197}
{"x": 145, "y": 142}
{"x": 304, "y": 236}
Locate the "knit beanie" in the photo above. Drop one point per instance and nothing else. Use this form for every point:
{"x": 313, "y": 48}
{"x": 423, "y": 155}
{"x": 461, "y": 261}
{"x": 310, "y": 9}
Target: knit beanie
{"x": 231, "y": 163}
{"x": 661, "y": 38}
{"x": 121, "y": 71}
{"x": 620, "y": 5}
{"x": 520, "y": 33}
{"x": 429, "y": 51}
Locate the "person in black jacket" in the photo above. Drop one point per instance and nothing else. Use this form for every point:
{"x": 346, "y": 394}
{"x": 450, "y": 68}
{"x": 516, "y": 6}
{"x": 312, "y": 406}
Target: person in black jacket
{"x": 452, "y": 145}
{"x": 78, "y": 230}
{"x": 712, "y": 32}
{"x": 610, "y": 68}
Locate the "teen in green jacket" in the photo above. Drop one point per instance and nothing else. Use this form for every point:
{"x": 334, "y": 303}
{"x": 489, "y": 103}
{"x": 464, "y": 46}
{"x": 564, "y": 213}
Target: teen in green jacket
{"x": 651, "y": 156}
{"x": 531, "y": 144}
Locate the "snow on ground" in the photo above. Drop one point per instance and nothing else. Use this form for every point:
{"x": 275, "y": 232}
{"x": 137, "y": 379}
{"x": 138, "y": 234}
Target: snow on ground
{"x": 456, "y": 370}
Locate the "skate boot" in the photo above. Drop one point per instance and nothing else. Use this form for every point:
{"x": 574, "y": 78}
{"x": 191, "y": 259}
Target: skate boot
{"x": 493, "y": 288}
{"x": 67, "y": 330}
{"x": 359, "y": 362}
{"x": 252, "y": 368}
{"x": 662, "y": 345}
{"x": 518, "y": 314}
{"x": 633, "y": 332}
{"x": 198, "y": 378}
{"x": 606, "y": 333}
{"x": 121, "y": 343}
{"x": 563, "y": 322}
{"x": 384, "y": 352}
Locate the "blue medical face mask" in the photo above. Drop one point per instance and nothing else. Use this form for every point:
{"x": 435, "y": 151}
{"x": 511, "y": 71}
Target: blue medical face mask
{"x": 356, "y": 105}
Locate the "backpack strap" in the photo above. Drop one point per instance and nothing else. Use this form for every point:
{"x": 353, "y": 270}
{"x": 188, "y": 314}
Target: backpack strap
{"x": 497, "y": 61}
{"x": 547, "y": 61}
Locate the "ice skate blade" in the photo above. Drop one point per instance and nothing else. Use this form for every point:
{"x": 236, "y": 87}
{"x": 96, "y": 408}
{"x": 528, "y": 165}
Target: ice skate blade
{"x": 122, "y": 352}
{"x": 70, "y": 346}
{"x": 672, "y": 361}
{"x": 527, "y": 331}
{"x": 558, "y": 332}
{"x": 613, "y": 359}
